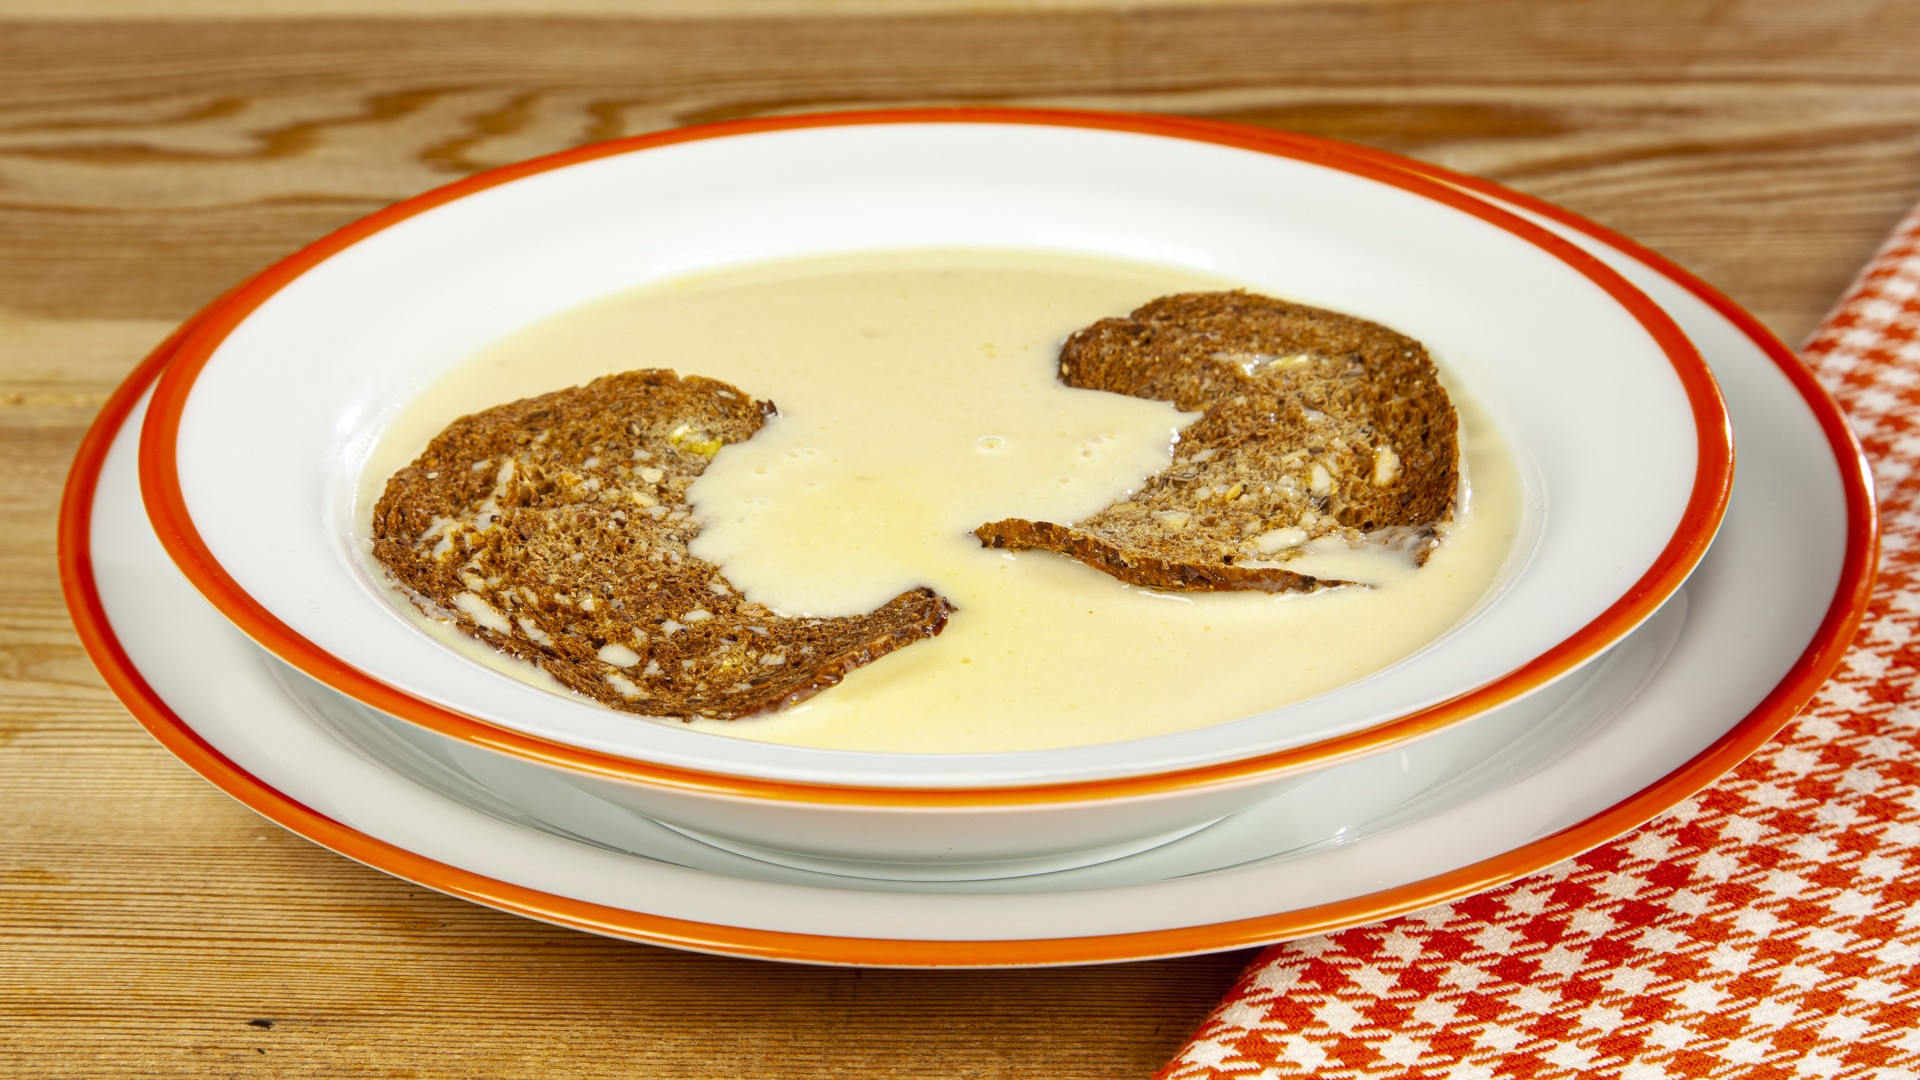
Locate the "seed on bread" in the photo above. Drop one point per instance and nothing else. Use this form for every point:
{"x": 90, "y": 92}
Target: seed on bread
{"x": 518, "y": 523}
{"x": 1314, "y": 424}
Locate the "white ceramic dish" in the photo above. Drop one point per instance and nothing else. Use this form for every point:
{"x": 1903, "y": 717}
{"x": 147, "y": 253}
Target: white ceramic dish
{"x": 1743, "y": 662}
{"x": 303, "y": 367}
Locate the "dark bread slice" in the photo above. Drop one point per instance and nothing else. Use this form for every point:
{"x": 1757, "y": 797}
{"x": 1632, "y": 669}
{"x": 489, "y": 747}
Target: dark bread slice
{"x": 555, "y": 528}
{"x": 1313, "y": 424}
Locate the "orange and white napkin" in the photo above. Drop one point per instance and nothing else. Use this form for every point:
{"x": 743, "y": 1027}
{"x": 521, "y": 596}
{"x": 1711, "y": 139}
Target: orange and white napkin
{"x": 1769, "y": 927}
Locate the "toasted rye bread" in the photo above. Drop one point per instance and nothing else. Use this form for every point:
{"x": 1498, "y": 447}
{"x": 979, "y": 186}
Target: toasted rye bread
{"x": 555, "y": 528}
{"x": 1313, "y": 424}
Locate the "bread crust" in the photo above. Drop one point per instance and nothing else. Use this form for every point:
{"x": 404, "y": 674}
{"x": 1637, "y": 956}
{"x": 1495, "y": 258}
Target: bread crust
{"x": 555, "y": 528}
{"x": 1313, "y": 424}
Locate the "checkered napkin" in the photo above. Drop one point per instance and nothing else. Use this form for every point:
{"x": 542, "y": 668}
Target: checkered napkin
{"x": 1769, "y": 927}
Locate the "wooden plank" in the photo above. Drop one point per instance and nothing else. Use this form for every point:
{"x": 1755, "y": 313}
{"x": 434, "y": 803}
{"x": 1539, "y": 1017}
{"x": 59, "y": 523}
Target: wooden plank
{"x": 145, "y": 166}
{"x": 93, "y": 10}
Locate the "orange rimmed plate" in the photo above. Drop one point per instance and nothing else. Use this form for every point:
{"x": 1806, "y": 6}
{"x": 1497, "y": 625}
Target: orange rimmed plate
{"x": 1676, "y": 734}
{"x": 297, "y": 594}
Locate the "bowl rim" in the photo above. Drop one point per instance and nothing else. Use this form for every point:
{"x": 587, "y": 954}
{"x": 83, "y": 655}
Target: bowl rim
{"x": 164, "y": 497}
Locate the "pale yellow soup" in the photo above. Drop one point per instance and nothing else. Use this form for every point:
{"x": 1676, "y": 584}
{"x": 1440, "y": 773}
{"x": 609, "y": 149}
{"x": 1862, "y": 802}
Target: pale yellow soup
{"x": 918, "y": 400}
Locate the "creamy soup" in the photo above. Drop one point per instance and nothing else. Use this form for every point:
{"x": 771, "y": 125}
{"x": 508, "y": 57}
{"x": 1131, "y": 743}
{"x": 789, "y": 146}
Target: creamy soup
{"x": 917, "y": 400}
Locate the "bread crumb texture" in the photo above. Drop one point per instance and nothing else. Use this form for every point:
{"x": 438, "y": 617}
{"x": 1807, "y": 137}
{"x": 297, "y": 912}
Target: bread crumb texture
{"x": 1314, "y": 425}
{"x": 555, "y": 528}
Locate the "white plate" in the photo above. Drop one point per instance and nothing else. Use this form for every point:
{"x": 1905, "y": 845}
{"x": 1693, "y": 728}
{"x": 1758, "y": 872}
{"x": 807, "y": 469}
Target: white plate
{"x": 1743, "y": 659}
{"x": 305, "y": 367}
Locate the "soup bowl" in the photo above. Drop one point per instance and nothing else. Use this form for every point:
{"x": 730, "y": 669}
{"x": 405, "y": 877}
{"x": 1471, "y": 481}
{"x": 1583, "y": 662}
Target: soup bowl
{"x": 255, "y": 453}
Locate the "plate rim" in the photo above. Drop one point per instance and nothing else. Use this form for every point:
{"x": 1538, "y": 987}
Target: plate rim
{"x": 1701, "y": 517}
{"x": 1796, "y": 686}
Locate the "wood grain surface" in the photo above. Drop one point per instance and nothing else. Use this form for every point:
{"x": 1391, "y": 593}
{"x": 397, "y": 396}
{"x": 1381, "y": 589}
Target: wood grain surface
{"x": 151, "y": 155}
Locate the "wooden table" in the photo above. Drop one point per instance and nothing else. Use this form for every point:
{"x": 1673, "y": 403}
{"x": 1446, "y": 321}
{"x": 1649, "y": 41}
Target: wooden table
{"x": 151, "y": 154}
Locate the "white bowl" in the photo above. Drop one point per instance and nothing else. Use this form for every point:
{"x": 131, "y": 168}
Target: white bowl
{"x": 253, "y": 449}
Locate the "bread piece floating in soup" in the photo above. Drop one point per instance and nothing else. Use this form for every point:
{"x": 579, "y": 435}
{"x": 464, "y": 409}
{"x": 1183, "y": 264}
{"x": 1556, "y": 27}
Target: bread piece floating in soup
{"x": 555, "y": 528}
{"x": 1314, "y": 425}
